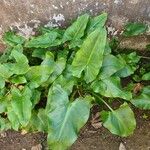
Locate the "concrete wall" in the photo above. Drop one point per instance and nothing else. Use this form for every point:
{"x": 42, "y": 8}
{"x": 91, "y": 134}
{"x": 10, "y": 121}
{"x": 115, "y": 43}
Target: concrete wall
{"x": 28, "y": 14}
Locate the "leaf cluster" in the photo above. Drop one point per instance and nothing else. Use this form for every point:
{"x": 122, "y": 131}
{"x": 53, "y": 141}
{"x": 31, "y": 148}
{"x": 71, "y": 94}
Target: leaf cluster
{"x": 49, "y": 82}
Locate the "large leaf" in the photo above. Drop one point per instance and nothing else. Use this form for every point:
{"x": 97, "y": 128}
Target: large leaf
{"x": 76, "y": 30}
{"x": 130, "y": 62}
{"x": 146, "y": 76}
{"x": 22, "y": 105}
{"x": 133, "y": 29}
{"x": 44, "y": 41}
{"x": 111, "y": 65}
{"x": 111, "y": 87}
{"x": 12, "y": 39}
{"x": 120, "y": 121}
{"x": 97, "y": 22}
{"x": 142, "y": 101}
{"x": 66, "y": 118}
{"x": 90, "y": 57}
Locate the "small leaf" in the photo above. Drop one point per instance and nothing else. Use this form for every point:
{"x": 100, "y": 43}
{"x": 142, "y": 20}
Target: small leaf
{"x": 110, "y": 87}
{"x": 43, "y": 41}
{"x": 39, "y": 121}
{"x": 142, "y": 101}
{"x": 21, "y": 104}
{"x": 5, "y": 71}
{"x": 130, "y": 62}
{"x": 66, "y": 118}
{"x": 21, "y": 66}
{"x": 97, "y": 22}
{"x": 18, "y": 79}
{"x": 40, "y": 74}
{"x": 76, "y": 30}
{"x": 4, "y": 124}
{"x": 13, "y": 118}
{"x": 12, "y": 39}
{"x": 39, "y": 53}
{"x": 90, "y": 57}
{"x": 59, "y": 67}
{"x": 2, "y": 82}
{"x": 111, "y": 65}
{"x": 133, "y": 29}
{"x": 66, "y": 82}
{"x": 146, "y": 76}
{"x": 36, "y": 96}
{"x": 120, "y": 121}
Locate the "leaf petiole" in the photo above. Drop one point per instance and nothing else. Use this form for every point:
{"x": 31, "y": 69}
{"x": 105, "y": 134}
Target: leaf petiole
{"x": 102, "y": 100}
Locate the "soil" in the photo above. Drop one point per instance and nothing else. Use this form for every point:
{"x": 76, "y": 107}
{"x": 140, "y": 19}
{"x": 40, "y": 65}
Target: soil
{"x": 89, "y": 138}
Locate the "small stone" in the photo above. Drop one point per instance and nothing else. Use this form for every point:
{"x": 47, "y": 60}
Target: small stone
{"x": 37, "y": 147}
{"x": 3, "y": 134}
{"x": 23, "y": 132}
{"x": 122, "y": 146}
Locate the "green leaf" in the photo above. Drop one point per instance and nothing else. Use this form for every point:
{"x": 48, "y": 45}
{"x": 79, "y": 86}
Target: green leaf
{"x": 66, "y": 82}
{"x": 21, "y": 66}
{"x": 130, "y": 62}
{"x": 39, "y": 53}
{"x": 111, "y": 65}
{"x": 133, "y": 29}
{"x": 40, "y": 74}
{"x": 39, "y": 121}
{"x": 18, "y": 80}
{"x": 110, "y": 87}
{"x": 21, "y": 104}
{"x": 59, "y": 67}
{"x": 107, "y": 48}
{"x": 2, "y": 82}
{"x": 66, "y": 118}
{"x": 76, "y": 30}
{"x": 43, "y": 41}
{"x": 142, "y": 101}
{"x": 146, "y": 76}
{"x": 97, "y": 22}
{"x": 120, "y": 121}
{"x": 12, "y": 39}
{"x": 4, "y": 124}
{"x": 5, "y": 71}
{"x": 13, "y": 118}
{"x": 90, "y": 57}
{"x": 36, "y": 96}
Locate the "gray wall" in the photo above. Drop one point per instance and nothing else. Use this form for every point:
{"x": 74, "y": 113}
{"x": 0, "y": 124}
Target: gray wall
{"x": 26, "y": 14}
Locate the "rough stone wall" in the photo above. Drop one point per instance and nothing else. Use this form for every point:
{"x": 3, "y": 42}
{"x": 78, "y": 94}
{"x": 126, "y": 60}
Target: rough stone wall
{"x": 28, "y": 14}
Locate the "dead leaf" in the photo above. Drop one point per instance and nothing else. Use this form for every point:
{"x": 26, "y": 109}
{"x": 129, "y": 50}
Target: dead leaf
{"x": 95, "y": 121}
{"x": 138, "y": 87}
{"x": 122, "y": 146}
{"x": 97, "y": 125}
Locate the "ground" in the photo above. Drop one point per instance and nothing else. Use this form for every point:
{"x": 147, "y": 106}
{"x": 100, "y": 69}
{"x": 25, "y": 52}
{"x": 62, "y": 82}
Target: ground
{"x": 89, "y": 138}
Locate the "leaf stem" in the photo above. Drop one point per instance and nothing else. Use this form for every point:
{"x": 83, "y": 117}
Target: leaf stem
{"x": 102, "y": 101}
{"x": 144, "y": 57}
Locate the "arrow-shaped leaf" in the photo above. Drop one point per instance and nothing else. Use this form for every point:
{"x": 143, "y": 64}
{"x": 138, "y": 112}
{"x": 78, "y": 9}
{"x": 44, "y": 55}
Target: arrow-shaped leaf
{"x": 120, "y": 121}
{"x": 90, "y": 57}
{"x": 66, "y": 118}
